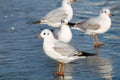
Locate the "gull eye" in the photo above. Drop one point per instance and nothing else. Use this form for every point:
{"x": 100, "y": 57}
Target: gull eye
{"x": 102, "y": 12}
{"x": 105, "y": 11}
{"x": 44, "y": 33}
{"x": 68, "y": 2}
{"x": 47, "y": 33}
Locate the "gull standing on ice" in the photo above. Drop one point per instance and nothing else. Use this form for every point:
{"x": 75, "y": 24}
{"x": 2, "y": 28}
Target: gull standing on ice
{"x": 64, "y": 33}
{"x": 54, "y": 17}
{"x": 94, "y": 26}
{"x": 60, "y": 51}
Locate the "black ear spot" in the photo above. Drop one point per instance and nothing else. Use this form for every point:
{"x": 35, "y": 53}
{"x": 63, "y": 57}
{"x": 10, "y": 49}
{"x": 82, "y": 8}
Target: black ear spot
{"x": 44, "y": 33}
{"x": 51, "y": 30}
{"x": 63, "y": 21}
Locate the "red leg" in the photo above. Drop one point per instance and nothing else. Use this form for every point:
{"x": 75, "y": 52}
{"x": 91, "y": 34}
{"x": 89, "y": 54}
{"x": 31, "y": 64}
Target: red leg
{"x": 93, "y": 37}
{"x": 60, "y": 72}
{"x": 97, "y": 43}
{"x": 59, "y": 69}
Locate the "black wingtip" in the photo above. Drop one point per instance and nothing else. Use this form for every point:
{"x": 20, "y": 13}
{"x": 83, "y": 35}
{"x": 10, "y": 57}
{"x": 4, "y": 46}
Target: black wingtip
{"x": 71, "y": 24}
{"x": 35, "y": 22}
{"x": 86, "y": 54}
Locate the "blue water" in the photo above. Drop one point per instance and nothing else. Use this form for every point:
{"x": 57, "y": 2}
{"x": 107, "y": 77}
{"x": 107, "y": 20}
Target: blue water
{"x": 22, "y": 56}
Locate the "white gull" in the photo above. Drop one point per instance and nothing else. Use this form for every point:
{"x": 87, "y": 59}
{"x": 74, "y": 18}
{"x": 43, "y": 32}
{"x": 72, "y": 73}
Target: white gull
{"x": 96, "y": 25}
{"x": 60, "y": 51}
{"x": 54, "y": 17}
{"x": 64, "y": 33}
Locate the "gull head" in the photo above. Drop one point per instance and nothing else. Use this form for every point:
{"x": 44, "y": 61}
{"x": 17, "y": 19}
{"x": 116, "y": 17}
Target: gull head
{"x": 45, "y": 34}
{"x": 64, "y": 21}
{"x": 68, "y": 2}
{"x": 106, "y": 12}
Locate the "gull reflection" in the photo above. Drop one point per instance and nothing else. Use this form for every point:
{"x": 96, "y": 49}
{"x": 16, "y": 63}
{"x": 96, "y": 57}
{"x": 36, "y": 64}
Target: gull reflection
{"x": 68, "y": 72}
{"x": 103, "y": 66}
{"x": 89, "y": 68}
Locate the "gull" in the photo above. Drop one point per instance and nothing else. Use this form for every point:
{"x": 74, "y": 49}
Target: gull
{"x": 64, "y": 33}
{"x": 60, "y": 51}
{"x": 54, "y": 17}
{"x": 95, "y": 26}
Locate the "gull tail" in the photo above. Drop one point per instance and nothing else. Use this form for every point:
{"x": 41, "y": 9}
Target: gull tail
{"x": 71, "y": 24}
{"x": 86, "y": 54}
{"x": 35, "y": 22}
{"x": 75, "y": 24}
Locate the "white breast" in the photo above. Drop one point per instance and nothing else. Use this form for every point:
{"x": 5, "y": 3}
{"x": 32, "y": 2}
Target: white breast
{"x": 69, "y": 12}
{"x": 49, "y": 51}
{"x": 65, "y": 34}
{"x": 105, "y": 25}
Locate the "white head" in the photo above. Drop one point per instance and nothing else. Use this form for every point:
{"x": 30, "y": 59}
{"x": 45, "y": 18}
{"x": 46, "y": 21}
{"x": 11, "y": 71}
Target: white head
{"x": 45, "y": 34}
{"x": 67, "y": 2}
{"x": 106, "y": 12}
{"x": 64, "y": 21}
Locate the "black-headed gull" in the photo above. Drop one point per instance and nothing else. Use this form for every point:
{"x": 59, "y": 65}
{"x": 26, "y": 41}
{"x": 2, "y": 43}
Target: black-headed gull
{"x": 96, "y": 25}
{"x": 60, "y": 51}
{"x": 64, "y": 33}
{"x": 54, "y": 17}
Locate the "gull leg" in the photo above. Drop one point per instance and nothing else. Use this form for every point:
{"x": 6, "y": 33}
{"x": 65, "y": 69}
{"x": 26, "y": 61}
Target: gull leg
{"x": 96, "y": 37}
{"x": 62, "y": 72}
{"x": 59, "y": 69}
{"x": 93, "y": 37}
{"x": 97, "y": 43}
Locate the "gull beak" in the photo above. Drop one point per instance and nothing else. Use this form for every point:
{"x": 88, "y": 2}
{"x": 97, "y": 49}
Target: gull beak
{"x": 38, "y": 36}
{"x": 111, "y": 14}
{"x": 72, "y": 1}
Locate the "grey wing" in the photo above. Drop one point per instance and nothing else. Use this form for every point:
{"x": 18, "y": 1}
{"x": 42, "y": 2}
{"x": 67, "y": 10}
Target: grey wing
{"x": 56, "y": 15}
{"x": 91, "y": 24}
{"x": 56, "y": 32}
{"x": 65, "y": 49}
